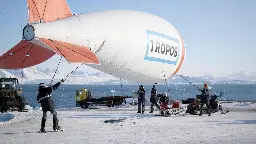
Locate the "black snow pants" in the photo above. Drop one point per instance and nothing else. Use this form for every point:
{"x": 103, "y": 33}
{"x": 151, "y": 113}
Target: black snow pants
{"x": 141, "y": 104}
{"x": 207, "y": 105}
{"x": 152, "y": 106}
{"x": 55, "y": 119}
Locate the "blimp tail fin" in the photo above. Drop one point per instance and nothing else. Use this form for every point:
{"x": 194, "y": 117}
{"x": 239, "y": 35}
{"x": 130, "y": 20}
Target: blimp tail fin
{"x": 71, "y": 52}
{"x": 47, "y": 10}
{"x": 24, "y": 54}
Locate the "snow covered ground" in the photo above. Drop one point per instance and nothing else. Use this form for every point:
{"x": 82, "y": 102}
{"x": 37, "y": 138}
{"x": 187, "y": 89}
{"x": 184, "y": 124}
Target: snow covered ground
{"x": 123, "y": 125}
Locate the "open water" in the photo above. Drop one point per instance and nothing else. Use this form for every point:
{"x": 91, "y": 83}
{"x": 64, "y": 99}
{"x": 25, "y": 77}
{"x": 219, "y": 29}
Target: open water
{"x": 64, "y": 96}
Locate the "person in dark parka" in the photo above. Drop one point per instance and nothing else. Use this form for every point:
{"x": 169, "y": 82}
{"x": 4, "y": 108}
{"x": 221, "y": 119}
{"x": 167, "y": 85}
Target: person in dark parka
{"x": 153, "y": 99}
{"x": 204, "y": 99}
{"x": 47, "y": 104}
{"x": 141, "y": 99}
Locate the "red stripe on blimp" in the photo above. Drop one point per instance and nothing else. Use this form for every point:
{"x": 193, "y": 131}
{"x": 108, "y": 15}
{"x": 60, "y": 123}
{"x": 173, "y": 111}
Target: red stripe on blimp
{"x": 182, "y": 57}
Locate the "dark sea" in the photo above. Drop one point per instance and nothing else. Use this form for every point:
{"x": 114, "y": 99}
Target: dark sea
{"x": 64, "y": 96}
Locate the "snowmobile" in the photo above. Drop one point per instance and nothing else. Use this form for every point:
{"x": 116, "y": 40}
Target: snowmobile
{"x": 194, "y": 105}
{"x": 214, "y": 103}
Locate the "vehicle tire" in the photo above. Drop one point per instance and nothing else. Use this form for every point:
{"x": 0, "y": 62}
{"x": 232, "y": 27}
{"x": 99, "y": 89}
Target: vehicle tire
{"x": 117, "y": 102}
{"x": 84, "y": 105}
{"x": 109, "y": 104}
{"x": 21, "y": 107}
{"x": 6, "y": 108}
{"x": 1, "y": 106}
{"x": 2, "y": 109}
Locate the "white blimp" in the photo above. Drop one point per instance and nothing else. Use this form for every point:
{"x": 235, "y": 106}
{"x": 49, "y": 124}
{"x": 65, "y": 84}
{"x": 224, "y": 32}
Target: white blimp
{"x": 131, "y": 45}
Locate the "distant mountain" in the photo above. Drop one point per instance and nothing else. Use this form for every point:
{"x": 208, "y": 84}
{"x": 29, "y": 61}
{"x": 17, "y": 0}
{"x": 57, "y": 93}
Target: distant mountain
{"x": 239, "y": 75}
{"x": 35, "y": 75}
{"x": 251, "y": 77}
{"x": 177, "y": 79}
{"x": 252, "y": 74}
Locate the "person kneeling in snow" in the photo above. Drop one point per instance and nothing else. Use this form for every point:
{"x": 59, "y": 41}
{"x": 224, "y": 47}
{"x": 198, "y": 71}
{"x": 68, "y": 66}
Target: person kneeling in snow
{"x": 164, "y": 103}
{"x": 47, "y": 104}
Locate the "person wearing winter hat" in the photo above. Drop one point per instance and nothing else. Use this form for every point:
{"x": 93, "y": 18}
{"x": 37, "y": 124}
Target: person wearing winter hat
{"x": 205, "y": 96}
{"x": 47, "y": 104}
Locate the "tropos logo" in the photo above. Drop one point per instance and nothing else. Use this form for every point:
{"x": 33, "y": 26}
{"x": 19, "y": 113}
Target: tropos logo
{"x": 161, "y": 48}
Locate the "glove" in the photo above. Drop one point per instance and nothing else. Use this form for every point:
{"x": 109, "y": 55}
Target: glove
{"x": 62, "y": 80}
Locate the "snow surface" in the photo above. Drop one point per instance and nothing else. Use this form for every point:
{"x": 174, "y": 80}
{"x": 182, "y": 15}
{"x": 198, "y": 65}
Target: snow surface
{"x": 240, "y": 106}
{"x": 121, "y": 125}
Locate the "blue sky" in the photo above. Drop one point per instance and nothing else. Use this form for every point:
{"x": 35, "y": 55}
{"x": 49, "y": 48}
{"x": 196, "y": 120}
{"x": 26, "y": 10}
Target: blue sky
{"x": 219, "y": 35}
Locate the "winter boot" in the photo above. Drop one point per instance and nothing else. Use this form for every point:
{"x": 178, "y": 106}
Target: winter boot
{"x": 55, "y": 124}
{"x": 58, "y": 128}
{"x": 151, "y": 111}
{"x": 43, "y": 125}
{"x": 209, "y": 112}
{"x": 42, "y": 130}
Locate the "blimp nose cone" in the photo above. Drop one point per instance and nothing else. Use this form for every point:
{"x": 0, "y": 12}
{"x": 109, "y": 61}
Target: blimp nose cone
{"x": 28, "y": 32}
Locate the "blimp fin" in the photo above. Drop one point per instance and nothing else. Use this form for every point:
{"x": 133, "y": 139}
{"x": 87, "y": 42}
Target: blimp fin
{"x": 71, "y": 52}
{"x": 24, "y": 54}
{"x": 28, "y": 53}
{"x": 47, "y": 10}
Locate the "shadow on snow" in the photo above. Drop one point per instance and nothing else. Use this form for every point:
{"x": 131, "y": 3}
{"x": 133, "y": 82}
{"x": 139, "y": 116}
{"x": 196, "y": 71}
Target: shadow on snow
{"x": 236, "y": 122}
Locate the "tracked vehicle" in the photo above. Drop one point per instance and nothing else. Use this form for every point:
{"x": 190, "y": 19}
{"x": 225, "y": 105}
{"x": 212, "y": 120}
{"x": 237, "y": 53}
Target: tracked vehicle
{"x": 11, "y": 98}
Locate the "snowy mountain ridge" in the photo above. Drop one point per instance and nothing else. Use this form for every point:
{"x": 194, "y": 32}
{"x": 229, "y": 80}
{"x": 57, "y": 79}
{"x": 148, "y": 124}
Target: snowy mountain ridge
{"x": 35, "y": 75}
